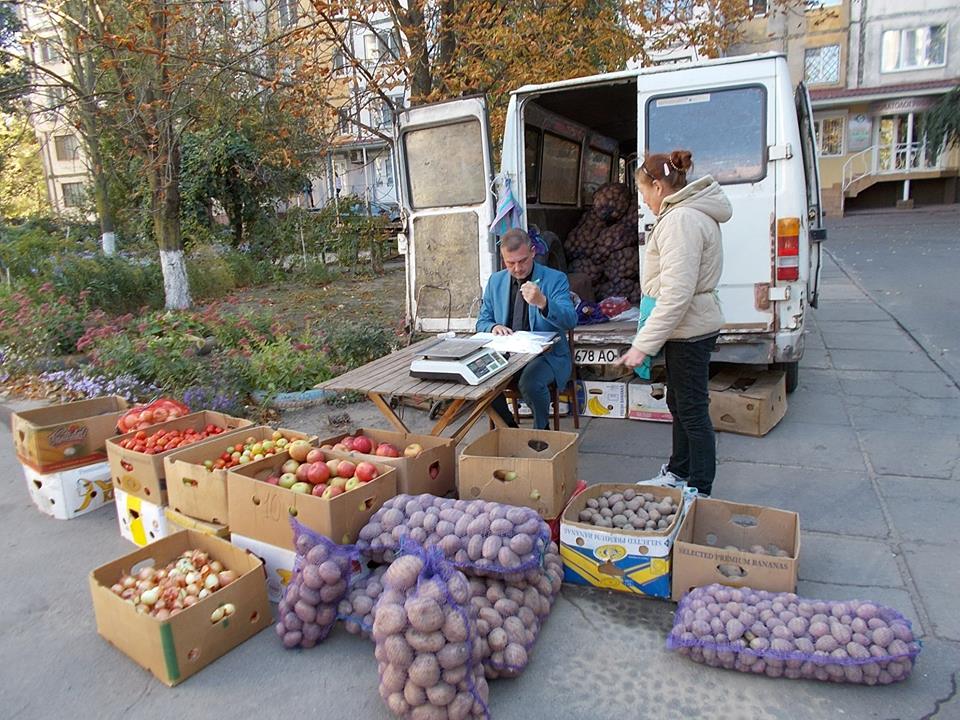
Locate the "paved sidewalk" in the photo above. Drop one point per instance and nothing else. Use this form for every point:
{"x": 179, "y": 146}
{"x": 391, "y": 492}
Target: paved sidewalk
{"x": 868, "y": 455}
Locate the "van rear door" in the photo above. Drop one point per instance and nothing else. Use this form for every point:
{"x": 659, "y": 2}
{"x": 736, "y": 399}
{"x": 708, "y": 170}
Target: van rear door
{"x": 445, "y": 168}
{"x": 811, "y": 170}
{"x": 723, "y": 116}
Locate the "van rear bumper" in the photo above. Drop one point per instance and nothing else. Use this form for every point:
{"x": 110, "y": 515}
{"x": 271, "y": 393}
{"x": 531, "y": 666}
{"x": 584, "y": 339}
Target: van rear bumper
{"x": 759, "y": 349}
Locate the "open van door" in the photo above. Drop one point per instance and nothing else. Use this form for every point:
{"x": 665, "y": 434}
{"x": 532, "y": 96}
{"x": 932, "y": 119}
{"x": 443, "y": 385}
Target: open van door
{"x": 445, "y": 171}
{"x": 811, "y": 169}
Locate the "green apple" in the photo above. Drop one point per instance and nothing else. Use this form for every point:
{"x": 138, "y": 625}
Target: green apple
{"x": 352, "y": 483}
{"x": 302, "y": 487}
{"x": 267, "y": 445}
{"x": 338, "y": 482}
{"x": 287, "y": 480}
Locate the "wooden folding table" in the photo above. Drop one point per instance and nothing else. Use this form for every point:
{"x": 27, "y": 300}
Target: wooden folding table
{"x": 389, "y": 376}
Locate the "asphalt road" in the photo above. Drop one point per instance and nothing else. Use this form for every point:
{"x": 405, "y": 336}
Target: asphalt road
{"x": 907, "y": 261}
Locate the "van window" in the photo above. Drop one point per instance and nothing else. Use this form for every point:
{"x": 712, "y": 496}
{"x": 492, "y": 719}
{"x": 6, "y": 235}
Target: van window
{"x": 560, "y": 170}
{"x": 531, "y": 154}
{"x": 437, "y": 154}
{"x": 596, "y": 172}
{"x": 724, "y": 129}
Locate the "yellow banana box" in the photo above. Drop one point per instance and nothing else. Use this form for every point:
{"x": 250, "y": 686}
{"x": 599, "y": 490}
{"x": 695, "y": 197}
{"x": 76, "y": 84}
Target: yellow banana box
{"x": 277, "y": 561}
{"x": 602, "y": 399}
{"x": 70, "y": 493}
{"x": 141, "y": 522}
{"x": 632, "y": 561}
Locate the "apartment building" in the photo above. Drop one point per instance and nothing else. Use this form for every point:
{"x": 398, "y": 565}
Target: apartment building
{"x": 873, "y": 69}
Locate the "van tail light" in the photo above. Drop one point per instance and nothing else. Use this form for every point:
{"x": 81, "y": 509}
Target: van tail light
{"x": 788, "y": 249}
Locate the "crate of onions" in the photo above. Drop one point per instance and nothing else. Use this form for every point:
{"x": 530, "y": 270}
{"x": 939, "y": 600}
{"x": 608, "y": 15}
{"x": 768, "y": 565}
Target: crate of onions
{"x": 181, "y": 602}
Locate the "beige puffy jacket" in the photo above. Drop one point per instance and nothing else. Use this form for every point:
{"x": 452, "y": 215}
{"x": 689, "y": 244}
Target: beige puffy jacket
{"x": 682, "y": 262}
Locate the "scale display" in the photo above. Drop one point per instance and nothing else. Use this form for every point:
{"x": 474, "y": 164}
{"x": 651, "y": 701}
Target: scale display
{"x": 463, "y": 361}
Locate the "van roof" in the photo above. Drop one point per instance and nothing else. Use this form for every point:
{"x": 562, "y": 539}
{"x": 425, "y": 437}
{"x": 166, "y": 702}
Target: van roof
{"x": 627, "y": 74}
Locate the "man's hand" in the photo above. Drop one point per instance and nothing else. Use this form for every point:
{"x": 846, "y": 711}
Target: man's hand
{"x": 533, "y": 295}
{"x": 502, "y": 330}
{"x": 631, "y": 358}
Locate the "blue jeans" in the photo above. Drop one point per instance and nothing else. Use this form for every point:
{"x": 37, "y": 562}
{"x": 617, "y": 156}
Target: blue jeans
{"x": 694, "y": 443}
{"x": 534, "y": 383}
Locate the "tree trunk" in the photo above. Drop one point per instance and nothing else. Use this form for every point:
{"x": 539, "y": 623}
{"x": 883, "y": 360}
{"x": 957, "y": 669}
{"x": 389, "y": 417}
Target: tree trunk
{"x": 414, "y": 27}
{"x": 108, "y": 238}
{"x": 165, "y": 203}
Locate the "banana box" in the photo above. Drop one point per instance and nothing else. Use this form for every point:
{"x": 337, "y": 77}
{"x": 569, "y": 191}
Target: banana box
{"x": 278, "y": 562}
{"x": 141, "y": 522}
{"x": 632, "y": 561}
{"x": 602, "y": 399}
{"x": 70, "y": 493}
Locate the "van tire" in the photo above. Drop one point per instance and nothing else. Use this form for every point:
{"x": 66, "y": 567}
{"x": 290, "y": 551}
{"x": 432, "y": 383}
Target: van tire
{"x": 792, "y": 371}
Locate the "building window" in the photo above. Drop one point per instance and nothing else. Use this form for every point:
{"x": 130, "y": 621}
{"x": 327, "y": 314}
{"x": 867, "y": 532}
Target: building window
{"x": 72, "y": 194}
{"x": 914, "y": 49}
{"x": 288, "y": 12}
{"x": 387, "y": 110}
{"x": 344, "y": 123}
{"x": 385, "y": 170}
{"x": 829, "y": 132}
{"x": 820, "y": 4}
{"x": 66, "y": 147}
{"x": 49, "y": 52}
{"x": 340, "y": 65}
{"x": 758, "y": 7}
{"x": 822, "y": 65}
{"x": 380, "y": 45}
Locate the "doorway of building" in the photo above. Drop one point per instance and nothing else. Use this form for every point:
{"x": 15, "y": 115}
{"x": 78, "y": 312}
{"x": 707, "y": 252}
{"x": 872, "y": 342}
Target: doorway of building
{"x": 902, "y": 145}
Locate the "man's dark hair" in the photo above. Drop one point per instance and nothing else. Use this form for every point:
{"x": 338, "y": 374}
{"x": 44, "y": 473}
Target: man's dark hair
{"x": 514, "y": 239}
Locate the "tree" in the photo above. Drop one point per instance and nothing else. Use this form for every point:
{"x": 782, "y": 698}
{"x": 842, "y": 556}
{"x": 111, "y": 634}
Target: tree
{"x": 22, "y": 190}
{"x": 13, "y": 74}
{"x": 942, "y": 122}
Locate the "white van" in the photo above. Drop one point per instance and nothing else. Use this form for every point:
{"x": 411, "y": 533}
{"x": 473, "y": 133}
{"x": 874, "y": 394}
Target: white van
{"x": 744, "y": 124}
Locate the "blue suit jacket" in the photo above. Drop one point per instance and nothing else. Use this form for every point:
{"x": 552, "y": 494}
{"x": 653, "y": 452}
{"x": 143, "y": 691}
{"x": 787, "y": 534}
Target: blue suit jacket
{"x": 561, "y": 314}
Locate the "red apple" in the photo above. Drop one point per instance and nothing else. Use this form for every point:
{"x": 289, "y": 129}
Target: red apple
{"x": 352, "y": 483}
{"x": 318, "y": 473}
{"x": 273, "y": 480}
{"x": 366, "y": 471}
{"x": 318, "y": 489}
{"x": 434, "y": 471}
{"x": 315, "y": 455}
{"x": 302, "y": 471}
{"x": 412, "y": 450}
{"x": 346, "y": 469}
{"x": 298, "y": 450}
{"x": 290, "y": 466}
{"x": 347, "y": 442}
{"x": 387, "y": 450}
{"x": 363, "y": 444}
{"x": 340, "y": 447}
{"x": 332, "y": 492}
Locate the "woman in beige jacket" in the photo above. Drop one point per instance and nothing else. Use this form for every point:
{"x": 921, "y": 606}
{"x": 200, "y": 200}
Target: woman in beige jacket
{"x": 682, "y": 262}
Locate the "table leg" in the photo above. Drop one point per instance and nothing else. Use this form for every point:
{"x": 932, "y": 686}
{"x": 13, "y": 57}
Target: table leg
{"x": 478, "y": 410}
{"x": 387, "y": 411}
{"x": 448, "y": 415}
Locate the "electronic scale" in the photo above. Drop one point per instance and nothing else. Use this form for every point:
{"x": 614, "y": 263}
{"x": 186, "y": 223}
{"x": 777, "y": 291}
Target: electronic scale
{"x": 459, "y": 360}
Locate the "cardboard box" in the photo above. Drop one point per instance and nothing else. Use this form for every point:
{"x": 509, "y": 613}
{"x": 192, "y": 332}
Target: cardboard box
{"x": 433, "y": 471}
{"x": 175, "y": 649}
{"x": 65, "y": 436}
{"x": 633, "y": 561}
{"x": 700, "y": 557}
{"x": 177, "y": 521}
{"x": 144, "y": 475}
{"x": 141, "y": 522}
{"x": 596, "y": 398}
{"x": 69, "y": 493}
{"x": 747, "y": 402}
{"x": 261, "y": 511}
{"x": 201, "y": 493}
{"x": 277, "y": 562}
{"x": 647, "y": 400}
{"x": 530, "y": 468}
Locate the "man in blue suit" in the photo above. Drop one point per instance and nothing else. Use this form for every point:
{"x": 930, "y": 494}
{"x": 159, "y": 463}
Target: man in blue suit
{"x": 530, "y": 296}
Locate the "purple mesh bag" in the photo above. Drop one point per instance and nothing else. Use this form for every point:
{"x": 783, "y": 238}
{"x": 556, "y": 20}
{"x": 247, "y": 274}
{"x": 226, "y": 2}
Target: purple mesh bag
{"x": 426, "y": 640}
{"x": 479, "y": 537}
{"x": 356, "y": 609}
{"x": 782, "y": 635}
{"x": 321, "y": 575}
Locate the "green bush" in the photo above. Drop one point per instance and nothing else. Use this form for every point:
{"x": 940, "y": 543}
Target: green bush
{"x": 209, "y": 274}
{"x": 284, "y": 365}
{"x": 41, "y": 322}
{"x": 354, "y": 344}
{"x": 114, "y": 284}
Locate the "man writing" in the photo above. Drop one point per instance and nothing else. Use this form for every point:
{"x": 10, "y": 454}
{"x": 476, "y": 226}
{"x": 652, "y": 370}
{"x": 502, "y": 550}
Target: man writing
{"x": 530, "y": 296}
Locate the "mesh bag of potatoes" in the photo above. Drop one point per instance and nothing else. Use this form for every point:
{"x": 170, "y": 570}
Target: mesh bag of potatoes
{"x": 510, "y": 615}
{"x": 479, "y": 537}
{"x": 782, "y": 635}
{"x": 322, "y": 569}
{"x": 427, "y": 647}
{"x": 356, "y": 609}
{"x": 611, "y": 201}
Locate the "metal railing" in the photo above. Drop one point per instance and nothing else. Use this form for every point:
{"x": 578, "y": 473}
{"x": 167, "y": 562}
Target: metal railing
{"x": 887, "y": 160}
{"x": 859, "y": 166}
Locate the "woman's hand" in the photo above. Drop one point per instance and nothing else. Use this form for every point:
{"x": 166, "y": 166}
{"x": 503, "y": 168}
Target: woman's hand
{"x": 631, "y": 358}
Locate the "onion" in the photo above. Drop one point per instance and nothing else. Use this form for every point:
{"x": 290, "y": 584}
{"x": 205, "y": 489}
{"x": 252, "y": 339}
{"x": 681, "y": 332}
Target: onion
{"x": 150, "y": 596}
{"x": 192, "y": 589}
{"x": 216, "y": 566}
{"x": 211, "y": 582}
{"x": 227, "y": 576}
{"x": 128, "y": 582}
{"x": 229, "y": 609}
{"x": 117, "y": 589}
{"x": 217, "y": 615}
{"x": 190, "y": 600}
{"x": 203, "y": 593}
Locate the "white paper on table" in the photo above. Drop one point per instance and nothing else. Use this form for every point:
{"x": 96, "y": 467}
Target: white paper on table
{"x": 522, "y": 341}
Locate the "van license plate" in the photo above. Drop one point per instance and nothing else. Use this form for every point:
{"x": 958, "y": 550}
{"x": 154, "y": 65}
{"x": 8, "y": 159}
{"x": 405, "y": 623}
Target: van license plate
{"x": 597, "y": 355}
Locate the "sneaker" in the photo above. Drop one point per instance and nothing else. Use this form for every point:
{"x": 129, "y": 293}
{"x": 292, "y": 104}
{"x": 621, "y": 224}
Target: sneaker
{"x": 665, "y": 479}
